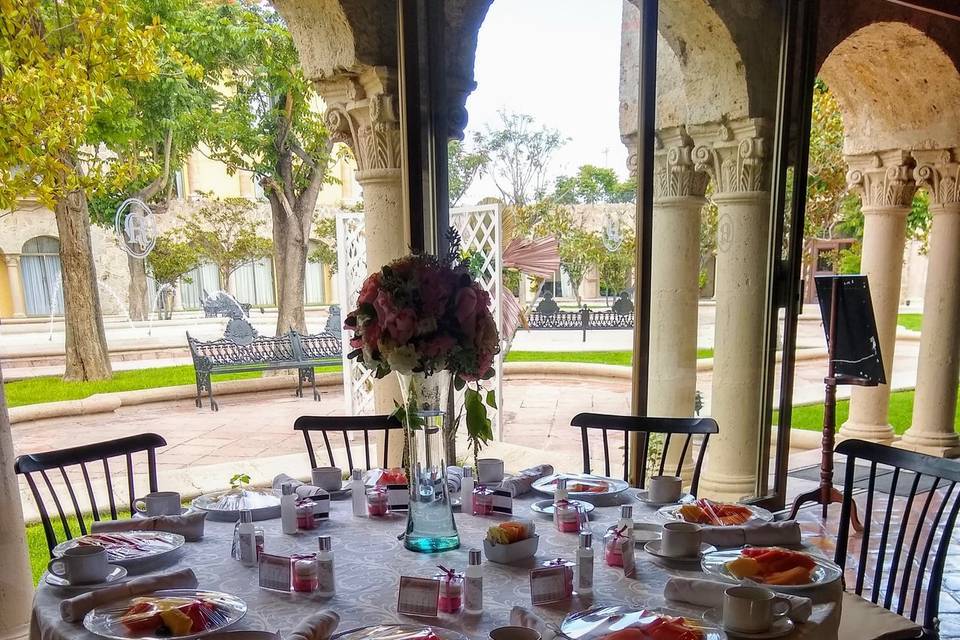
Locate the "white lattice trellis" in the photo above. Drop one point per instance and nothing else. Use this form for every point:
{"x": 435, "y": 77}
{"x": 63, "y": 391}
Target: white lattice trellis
{"x": 479, "y": 229}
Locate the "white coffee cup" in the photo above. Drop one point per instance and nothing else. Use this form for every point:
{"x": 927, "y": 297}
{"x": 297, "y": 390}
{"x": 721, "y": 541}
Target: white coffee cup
{"x": 81, "y": 565}
{"x": 664, "y": 489}
{"x": 752, "y": 609}
{"x": 159, "y": 503}
{"x": 514, "y": 633}
{"x": 489, "y": 470}
{"x": 327, "y": 478}
{"x": 680, "y": 540}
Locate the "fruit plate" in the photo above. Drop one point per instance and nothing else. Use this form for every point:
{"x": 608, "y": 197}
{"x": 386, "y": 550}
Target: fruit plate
{"x": 128, "y": 548}
{"x": 600, "y": 622}
{"x": 825, "y": 572}
{"x": 399, "y": 632}
{"x": 581, "y": 485}
{"x": 211, "y": 610}
{"x": 757, "y": 514}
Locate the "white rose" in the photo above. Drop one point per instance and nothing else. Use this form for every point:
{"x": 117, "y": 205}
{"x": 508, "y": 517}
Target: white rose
{"x": 403, "y": 359}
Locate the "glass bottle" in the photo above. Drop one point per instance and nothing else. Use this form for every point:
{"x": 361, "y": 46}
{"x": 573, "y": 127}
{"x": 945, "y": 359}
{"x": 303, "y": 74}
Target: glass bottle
{"x": 357, "y": 494}
{"x": 288, "y": 509}
{"x": 482, "y": 501}
{"x": 326, "y": 584}
{"x": 466, "y": 490}
{"x": 378, "y": 503}
{"x": 566, "y": 514}
{"x": 305, "y": 519}
{"x": 473, "y": 584}
{"x": 584, "y": 578}
{"x": 244, "y": 546}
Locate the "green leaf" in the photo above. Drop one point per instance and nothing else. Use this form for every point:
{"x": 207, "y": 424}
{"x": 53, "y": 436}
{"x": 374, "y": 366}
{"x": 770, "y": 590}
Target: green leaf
{"x": 479, "y": 427}
{"x": 492, "y": 398}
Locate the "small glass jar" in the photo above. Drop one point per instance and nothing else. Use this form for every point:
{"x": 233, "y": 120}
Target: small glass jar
{"x": 482, "y": 501}
{"x": 305, "y": 519}
{"x": 566, "y": 516}
{"x": 304, "y": 574}
{"x": 568, "y": 567}
{"x": 613, "y": 541}
{"x": 378, "y": 504}
{"x": 450, "y": 599}
{"x": 259, "y": 537}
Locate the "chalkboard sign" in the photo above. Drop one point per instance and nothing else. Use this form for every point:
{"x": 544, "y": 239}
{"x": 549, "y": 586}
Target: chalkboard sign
{"x": 856, "y": 354}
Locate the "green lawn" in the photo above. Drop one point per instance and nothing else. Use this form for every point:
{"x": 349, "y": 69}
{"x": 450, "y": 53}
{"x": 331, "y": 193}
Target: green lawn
{"x": 910, "y": 320}
{"x": 810, "y": 417}
{"x": 622, "y": 358}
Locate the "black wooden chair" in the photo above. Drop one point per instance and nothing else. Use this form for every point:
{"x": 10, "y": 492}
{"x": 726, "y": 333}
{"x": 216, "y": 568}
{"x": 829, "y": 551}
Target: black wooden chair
{"x": 669, "y": 427}
{"x": 61, "y": 461}
{"x": 899, "y": 566}
{"x": 343, "y": 425}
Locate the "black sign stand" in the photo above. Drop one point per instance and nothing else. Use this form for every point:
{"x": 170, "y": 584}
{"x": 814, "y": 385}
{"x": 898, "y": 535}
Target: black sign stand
{"x": 853, "y": 358}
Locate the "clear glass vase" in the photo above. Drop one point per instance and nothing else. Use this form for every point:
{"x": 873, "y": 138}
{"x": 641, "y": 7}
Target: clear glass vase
{"x": 430, "y": 524}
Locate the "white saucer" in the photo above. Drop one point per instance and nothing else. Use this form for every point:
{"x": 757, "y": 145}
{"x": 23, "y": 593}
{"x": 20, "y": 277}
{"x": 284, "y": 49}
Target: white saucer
{"x": 644, "y": 532}
{"x": 683, "y": 499}
{"x": 781, "y": 626}
{"x": 117, "y": 574}
{"x": 139, "y": 514}
{"x": 653, "y": 548}
{"x": 545, "y": 507}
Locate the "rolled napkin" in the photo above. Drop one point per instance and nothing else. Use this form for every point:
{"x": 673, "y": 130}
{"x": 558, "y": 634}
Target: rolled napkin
{"x": 319, "y": 626}
{"x": 523, "y": 481}
{"x": 522, "y": 617}
{"x": 709, "y": 593}
{"x": 302, "y": 489}
{"x": 763, "y": 534}
{"x": 454, "y": 479}
{"x": 73, "y": 609}
{"x": 190, "y": 525}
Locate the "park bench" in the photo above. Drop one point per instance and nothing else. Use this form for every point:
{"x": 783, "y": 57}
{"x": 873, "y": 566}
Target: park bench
{"x": 242, "y": 349}
{"x": 547, "y": 315}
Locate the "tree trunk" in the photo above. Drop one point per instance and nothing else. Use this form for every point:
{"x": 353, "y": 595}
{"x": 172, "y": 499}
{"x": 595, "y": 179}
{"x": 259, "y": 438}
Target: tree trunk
{"x": 225, "y": 283}
{"x": 291, "y": 235}
{"x": 138, "y": 306}
{"x": 87, "y": 357}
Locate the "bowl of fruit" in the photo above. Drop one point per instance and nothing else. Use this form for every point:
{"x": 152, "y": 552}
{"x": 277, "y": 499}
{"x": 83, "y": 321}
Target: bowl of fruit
{"x": 779, "y": 568}
{"x": 715, "y": 514}
{"x": 511, "y": 541}
{"x": 173, "y": 613}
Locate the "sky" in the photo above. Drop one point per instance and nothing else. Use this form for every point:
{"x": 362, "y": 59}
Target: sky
{"x": 558, "y": 61}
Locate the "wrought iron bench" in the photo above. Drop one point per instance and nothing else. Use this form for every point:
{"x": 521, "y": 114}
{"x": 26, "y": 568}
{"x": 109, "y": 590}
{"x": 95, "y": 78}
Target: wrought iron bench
{"x": 241, "y": 349}
{"x": 547, "y": 315}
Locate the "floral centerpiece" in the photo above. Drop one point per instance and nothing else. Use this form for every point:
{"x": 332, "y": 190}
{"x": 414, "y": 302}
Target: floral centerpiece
{"x": 428, "y": 320}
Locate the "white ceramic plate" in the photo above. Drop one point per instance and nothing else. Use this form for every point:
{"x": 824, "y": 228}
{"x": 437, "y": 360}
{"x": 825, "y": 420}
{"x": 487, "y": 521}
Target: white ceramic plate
{"x": 643, "y": 493}
{"x": 106, "y": 621}
{"x": 117, "y": 574}
{"x": 545, "y": 507}
{"x": 598, "y": 622}
{"x": 781, "y": 626}
{"x": 824, "y": 573}
{"x": 644, "y": 532}
{"x": 397, "y": 632}
{"x": 653, "y": 548}
{"x": 145, "y": 545}
{"x": 759, "y": 514}
{"x": 604, "y": 486}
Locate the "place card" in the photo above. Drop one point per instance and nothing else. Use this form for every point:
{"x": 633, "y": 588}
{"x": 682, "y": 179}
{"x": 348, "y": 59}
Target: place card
{"x": 418, "y": 596}
{"x": 629, "y": 562}
{"x": 398, "y": 497}
{"x": 502, "y": 502}
{"x": 321, "y": 506}
{"x": 548, "y": 584}
{"x": 274, "y": 572}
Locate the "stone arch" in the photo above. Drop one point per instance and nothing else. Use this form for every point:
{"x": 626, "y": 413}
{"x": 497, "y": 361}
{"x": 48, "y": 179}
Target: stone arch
{"x": 896, "y": 87}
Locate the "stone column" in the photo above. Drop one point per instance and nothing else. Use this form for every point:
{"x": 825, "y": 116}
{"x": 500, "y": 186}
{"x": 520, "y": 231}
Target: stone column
{"x": 16, "y": 584}
{"x": 16, "y": 286}
{"x": 737, "y": 164}
{"x": 677, "y": 201}
{"x": 362, "y": 113}
{"x": 886, "y": 187}
{"x": 938, "y": 371}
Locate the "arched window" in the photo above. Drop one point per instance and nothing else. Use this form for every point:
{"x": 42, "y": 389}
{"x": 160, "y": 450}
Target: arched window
{"x": 42, "y": 286}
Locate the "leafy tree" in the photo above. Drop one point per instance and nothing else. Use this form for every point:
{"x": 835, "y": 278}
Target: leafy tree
{"x": 519, "y": 154}
{"x": 827, "y": 196}
{"x": 709, "y": 218}
{"x": 463, "y": 167}
{"x": 615, "y": 267}
{"x": 170, "y": 260}
{"x": 66, "y": 68}
{"x": 265, "y": 123}
{"x": 325, "y": 251}
{"x": 224, "y": 232}
{"x": 593, "y": 184}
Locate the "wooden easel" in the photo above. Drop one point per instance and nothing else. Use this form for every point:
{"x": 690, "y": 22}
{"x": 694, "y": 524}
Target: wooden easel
{"x": 826, "y": 494}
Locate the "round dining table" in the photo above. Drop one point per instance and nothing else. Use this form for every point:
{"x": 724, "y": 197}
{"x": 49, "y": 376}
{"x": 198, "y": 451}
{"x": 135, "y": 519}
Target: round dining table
{"x": 370, "y": 559}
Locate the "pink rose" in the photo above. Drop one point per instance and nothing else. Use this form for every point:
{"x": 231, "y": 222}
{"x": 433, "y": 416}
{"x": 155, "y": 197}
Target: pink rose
{"x": 356, "y": 343}
{"x": 371, "y": 334}
{"x": 402, "y": 326}
{"x": 438, "y": 346}
{"x": 385, "y": 308}
{"x": 368, "y": 293}
{"x": 467, "y": 310}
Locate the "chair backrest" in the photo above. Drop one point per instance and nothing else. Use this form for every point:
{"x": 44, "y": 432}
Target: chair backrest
{"x": 66, "y": 462}
{"x": 914, "y": 535}
{"x": 674, "y": 429}
{"x": 343, "y": 425}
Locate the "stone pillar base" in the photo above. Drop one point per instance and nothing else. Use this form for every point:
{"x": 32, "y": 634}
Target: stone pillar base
{"x": 945, "y": 445}
{"x": 865, "y": 431}
{"x": 21, "y": 633}
{"x": 726, "y": 487}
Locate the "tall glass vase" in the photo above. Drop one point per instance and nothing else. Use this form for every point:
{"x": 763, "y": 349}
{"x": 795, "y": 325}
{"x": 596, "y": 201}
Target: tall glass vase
{"x": 430, "y": 524}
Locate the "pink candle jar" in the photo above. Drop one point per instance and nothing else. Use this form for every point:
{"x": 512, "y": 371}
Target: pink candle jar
{"x": 450, "y": 598}
{"x": 567, "y": 574}
{"x": 482, "y": 501}
{"x": 305, "y": 573}
{"x": 305, "y": 519}
{"x": 613, "y": 546}
{"x": 566, "y": 516}
{"x": 378, "y": 505}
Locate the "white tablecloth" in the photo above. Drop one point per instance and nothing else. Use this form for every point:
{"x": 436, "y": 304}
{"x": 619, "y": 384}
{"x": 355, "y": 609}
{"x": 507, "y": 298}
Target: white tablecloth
{"x": 369, "y": 561}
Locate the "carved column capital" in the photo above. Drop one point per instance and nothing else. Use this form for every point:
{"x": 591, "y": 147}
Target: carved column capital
{"x": 736, "y": 159}
{"x": 938, "y": 172}
{"x": 362, "y": 113}
{"x": 12, "y": 261}
{"x": 883, "y": 179}
{"x": 674, "y": 171}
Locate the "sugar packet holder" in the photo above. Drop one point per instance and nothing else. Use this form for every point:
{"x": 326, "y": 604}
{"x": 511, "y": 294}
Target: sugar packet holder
{"x": 418, "y": 596}
{"x": 502, "y": 502}
{"x": 398, "y": 497}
